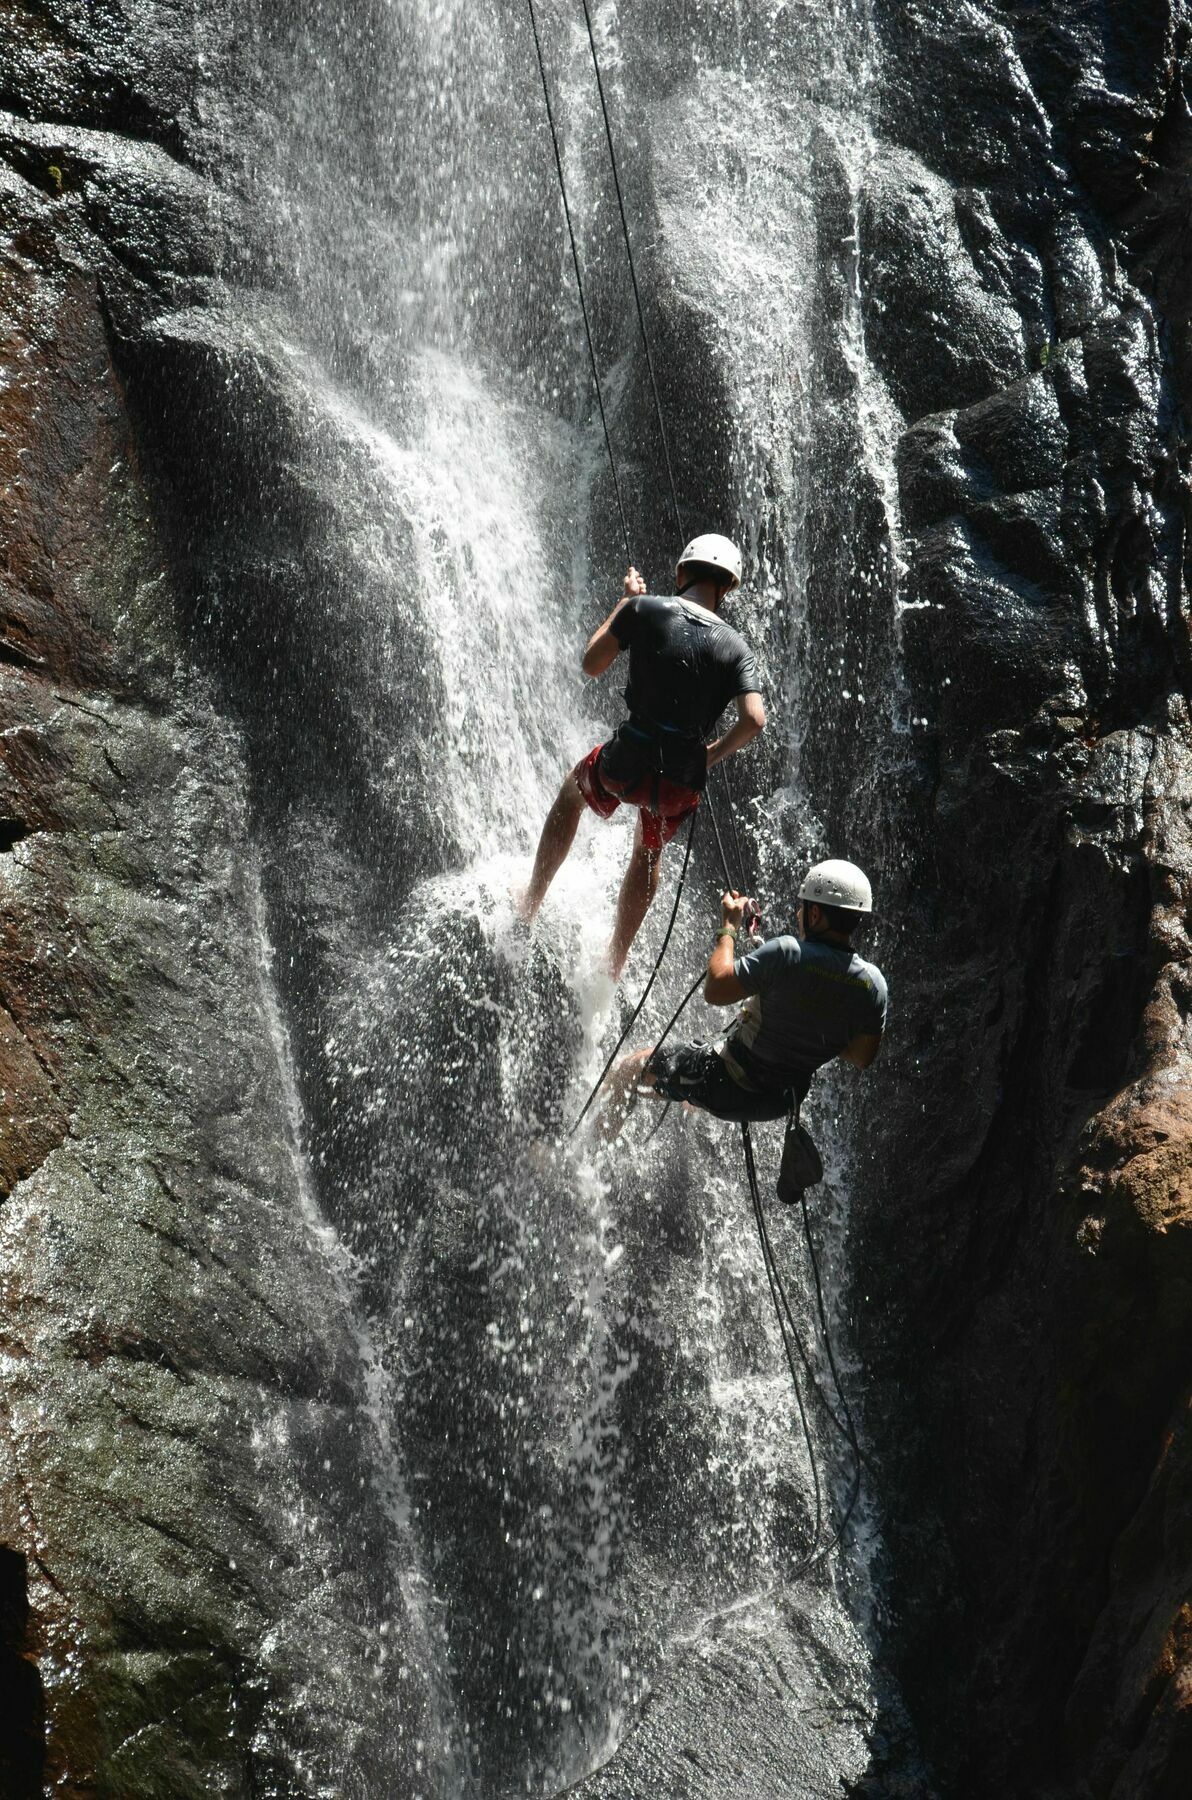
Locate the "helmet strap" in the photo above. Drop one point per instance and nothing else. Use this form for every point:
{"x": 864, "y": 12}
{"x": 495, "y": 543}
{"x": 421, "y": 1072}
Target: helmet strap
{"x": 722, "y": 594}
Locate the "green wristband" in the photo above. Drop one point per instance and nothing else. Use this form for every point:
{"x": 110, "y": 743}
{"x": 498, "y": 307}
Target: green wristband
{"x": 726, "y": 931}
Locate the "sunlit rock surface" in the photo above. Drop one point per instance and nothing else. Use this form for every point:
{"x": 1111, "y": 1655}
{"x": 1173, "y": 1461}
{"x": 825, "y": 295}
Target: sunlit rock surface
{"x": 356, "y": 1441}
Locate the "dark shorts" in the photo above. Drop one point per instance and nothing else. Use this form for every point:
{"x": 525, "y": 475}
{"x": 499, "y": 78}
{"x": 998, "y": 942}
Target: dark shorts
{"x": 694, "y": 1073}
{"x": 663, "y": 804}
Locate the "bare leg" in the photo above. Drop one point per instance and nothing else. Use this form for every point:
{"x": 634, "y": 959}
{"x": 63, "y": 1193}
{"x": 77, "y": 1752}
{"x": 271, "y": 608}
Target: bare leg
{"x": 558, "y": 835}
{"x": 621, "y": 1090}
{"x": 638, "y": 888}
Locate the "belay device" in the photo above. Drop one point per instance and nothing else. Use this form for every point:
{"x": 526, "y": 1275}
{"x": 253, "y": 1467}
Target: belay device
{"x": 802, "y": 1165}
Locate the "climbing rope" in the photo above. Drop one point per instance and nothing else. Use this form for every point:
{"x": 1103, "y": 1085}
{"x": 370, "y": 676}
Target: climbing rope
{"x": 675, "y": 1016}
{"x": 777, "y": 1298}
{"x": 658, "y": 412}
{"x": 729, "y": 883}
{"x": 844, "y": 1425}
{"x": 843, "y": 1422}
{"x": 633, "y": 1017}
{"x": 782, "y": 1310}
{"x": 738, "y": 853}
{"x": 637, "y": 296}
{"x": 847, "y": 1427}
{"x": 579, "y": 282}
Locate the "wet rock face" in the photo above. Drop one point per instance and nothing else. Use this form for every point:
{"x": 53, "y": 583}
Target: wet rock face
{"x": 1021, "y": 1221}
{"x": 190, "y": 1571}
{"x": 746, "y": 1703}
{"x": 195, "y": 1546}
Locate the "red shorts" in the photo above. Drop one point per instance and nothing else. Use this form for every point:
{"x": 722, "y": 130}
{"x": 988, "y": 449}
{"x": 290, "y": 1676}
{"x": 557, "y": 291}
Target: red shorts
{"x": 662, "y": 813}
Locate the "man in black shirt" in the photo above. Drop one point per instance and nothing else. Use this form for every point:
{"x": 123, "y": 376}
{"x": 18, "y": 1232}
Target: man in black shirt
{"x": 685, "y": 666}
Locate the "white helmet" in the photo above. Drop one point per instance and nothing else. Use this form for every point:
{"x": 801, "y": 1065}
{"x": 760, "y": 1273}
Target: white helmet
{"x": 717, "y": 553}
{"x": 838, "y": 883}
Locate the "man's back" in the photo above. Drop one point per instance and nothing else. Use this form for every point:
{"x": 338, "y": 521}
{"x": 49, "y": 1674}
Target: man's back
{"x": 807, "y": 1000}
{"x": 685, "y": 664}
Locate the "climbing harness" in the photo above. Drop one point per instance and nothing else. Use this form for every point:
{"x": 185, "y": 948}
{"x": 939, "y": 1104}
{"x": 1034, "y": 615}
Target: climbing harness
{"x": 792, "y": 1342}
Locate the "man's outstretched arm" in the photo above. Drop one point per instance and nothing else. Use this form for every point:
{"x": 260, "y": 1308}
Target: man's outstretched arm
{"x": 604, "y": 646}
{"x": 751, "y": 719}
{"x": 721, "y": 987}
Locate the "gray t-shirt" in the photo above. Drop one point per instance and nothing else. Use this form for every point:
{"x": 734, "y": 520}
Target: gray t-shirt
{"x": 807, "y": 999}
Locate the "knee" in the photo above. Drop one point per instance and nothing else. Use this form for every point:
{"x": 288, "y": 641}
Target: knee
{"x": 570, "y": 797}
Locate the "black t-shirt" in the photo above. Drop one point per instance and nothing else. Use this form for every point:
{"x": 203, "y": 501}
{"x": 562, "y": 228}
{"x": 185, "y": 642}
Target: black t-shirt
{"x": 685, "y": 665}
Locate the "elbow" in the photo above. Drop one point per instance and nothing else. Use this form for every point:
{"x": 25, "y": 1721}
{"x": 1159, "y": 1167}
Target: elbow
{"x": 714, "y": 989}
{"x": 588, "y": 663}
{"x": 755, "y": 715}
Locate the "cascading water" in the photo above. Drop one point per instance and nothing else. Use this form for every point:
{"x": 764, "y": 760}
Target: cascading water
{"x": 363, "y": 1436}
{"x": 570, "y": 1355}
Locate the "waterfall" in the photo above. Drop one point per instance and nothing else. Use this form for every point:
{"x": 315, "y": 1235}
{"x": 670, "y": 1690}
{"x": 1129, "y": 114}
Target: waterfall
{"x": 369, "y": 1433}
{"x": 573, "y": 1374}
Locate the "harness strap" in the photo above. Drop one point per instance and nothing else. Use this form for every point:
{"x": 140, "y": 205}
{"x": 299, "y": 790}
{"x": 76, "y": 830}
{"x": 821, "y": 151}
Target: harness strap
{"x": 655, "y": 736}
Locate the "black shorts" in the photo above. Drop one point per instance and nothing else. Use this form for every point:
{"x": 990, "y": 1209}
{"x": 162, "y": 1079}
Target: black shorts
{"x": 694, "y": 1073}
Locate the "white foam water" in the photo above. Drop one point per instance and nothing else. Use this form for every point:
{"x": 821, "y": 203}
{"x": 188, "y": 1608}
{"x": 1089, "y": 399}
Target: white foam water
{"x": 469, "y": 467}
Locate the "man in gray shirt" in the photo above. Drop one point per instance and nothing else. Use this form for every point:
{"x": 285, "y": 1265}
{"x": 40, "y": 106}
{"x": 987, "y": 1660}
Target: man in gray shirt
{"x": 808, "y": 999}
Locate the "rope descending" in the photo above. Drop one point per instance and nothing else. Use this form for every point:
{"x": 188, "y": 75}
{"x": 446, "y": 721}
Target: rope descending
{"x": 677, "y": 1014}
{"x": 791, "y": 1340}
{"x": 845, "y": 1425}
{"x": 633, "y": 1017}
{"x": 579, "y": 282}
{"x": 641, "y": 316}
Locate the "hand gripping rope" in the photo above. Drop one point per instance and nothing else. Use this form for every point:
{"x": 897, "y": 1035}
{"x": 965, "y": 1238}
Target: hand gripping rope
{"x": 843, "y": 1421}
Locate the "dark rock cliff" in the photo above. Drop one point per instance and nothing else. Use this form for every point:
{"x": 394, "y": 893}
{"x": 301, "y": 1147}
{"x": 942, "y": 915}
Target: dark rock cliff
{"x": 1022, "y": 1292}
